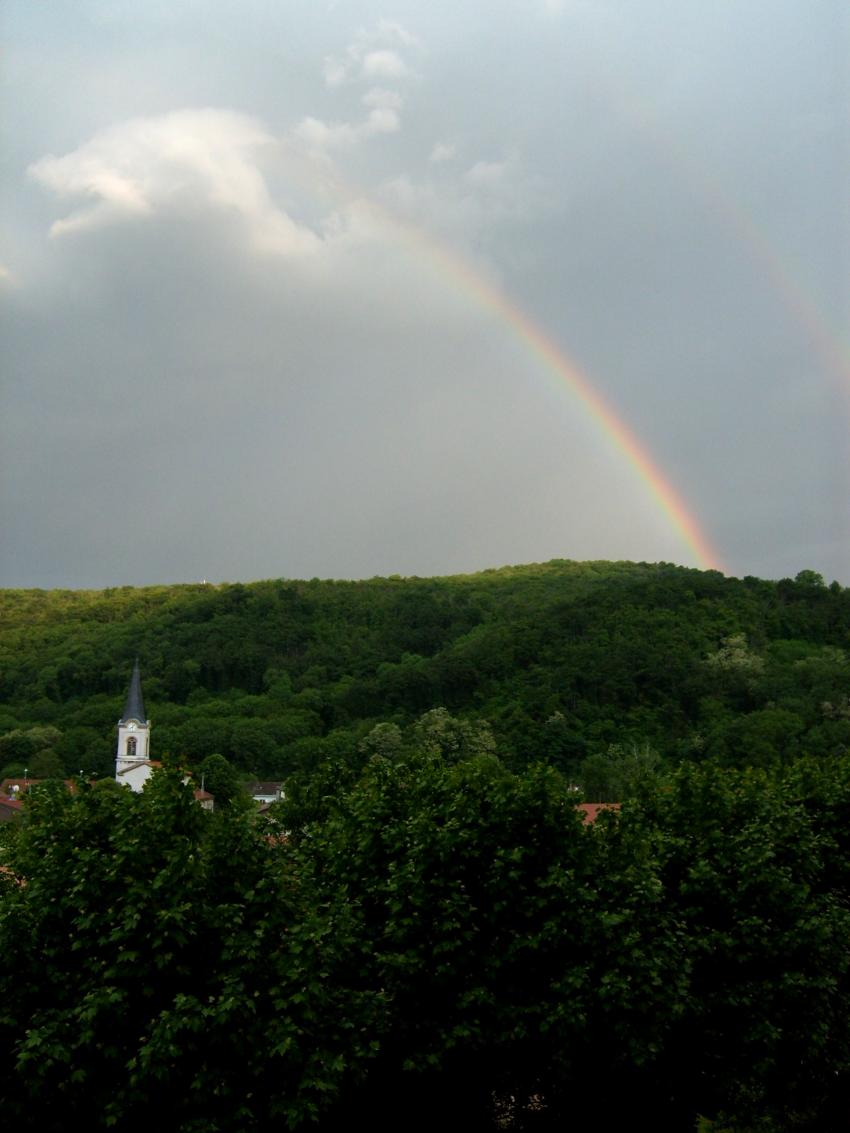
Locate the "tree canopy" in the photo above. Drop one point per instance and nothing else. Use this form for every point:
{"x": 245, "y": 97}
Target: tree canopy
{"x": 445, "y": 942}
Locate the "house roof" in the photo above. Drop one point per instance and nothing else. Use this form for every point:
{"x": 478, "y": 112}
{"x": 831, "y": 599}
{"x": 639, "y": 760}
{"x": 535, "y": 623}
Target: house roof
{"x": 16, "y": 785}
{"x": 134, "y": 709}
{"x": 264, "y": 788}
{"x": 21, "y": 785}
{"x": 139, "y": 763}
{"x": 591, "y": 811}
{"x": 9, "y": 808}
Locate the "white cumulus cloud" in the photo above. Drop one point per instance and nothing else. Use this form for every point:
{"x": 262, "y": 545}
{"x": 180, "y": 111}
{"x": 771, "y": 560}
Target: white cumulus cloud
{"x": 383, "y": 117}
{"x": 374, "y": 53}
{"x": 485, "y": 197}
{"x": 186, "y": 158}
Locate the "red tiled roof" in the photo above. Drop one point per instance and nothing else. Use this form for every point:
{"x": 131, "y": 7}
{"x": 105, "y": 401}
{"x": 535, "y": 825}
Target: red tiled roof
{"x": 590, "y": 811}
{"x": 8, "y": 784}
{"x": 23, "y": 785}
{"x": 9, "y": 808}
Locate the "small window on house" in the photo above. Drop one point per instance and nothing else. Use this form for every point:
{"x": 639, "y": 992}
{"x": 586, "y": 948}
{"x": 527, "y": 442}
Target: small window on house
{"x": 131, "y": 745}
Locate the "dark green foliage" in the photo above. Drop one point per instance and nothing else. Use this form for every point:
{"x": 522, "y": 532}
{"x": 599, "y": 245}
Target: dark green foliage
{"x": 441, "y": 942}
{"x": 219, "y": 777}
{"x": 749, "y": 869}
{"x": 621, "y": 773}
{"x": 512, "y": 965}
{"x": 163, "y": 971}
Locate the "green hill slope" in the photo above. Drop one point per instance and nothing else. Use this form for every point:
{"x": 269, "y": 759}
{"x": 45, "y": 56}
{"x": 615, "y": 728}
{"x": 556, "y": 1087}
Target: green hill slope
{"x": 564, "y": 659}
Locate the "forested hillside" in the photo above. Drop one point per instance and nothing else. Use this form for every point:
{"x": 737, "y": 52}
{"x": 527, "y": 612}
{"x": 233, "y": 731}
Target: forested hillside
{"x": 587, "y": 666}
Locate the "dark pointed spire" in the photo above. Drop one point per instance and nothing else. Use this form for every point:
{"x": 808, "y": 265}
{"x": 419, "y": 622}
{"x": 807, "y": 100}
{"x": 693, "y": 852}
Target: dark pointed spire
{"x": 134, "y": 709}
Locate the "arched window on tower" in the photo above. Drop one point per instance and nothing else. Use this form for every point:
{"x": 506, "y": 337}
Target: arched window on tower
{"x": 131, "y": 745}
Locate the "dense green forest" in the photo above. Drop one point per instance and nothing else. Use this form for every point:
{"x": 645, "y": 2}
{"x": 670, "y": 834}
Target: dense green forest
{"x": 595, "y": 668}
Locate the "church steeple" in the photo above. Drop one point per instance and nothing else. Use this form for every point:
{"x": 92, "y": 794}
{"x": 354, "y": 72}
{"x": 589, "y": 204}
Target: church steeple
{"x": 134, "y": 709}
{"x": 133, "y": 729}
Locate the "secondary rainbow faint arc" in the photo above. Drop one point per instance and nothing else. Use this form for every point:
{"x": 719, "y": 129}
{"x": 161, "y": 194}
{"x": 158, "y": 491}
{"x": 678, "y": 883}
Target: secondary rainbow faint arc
{"x": 451, "y": 263}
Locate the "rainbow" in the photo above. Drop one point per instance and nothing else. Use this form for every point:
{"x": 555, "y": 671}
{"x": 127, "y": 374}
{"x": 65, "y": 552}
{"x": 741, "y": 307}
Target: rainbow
{"x": 449, "y": 263}
{"x": 567, "y": 374}
{"x": 733, "y": 216}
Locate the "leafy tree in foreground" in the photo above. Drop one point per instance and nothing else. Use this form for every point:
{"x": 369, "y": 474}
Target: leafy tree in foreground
{"x": 160, "y": 971}
{"x": 512, "y": 967}
{"x": 757, "y": 882}
{"x": 438, "y": 940}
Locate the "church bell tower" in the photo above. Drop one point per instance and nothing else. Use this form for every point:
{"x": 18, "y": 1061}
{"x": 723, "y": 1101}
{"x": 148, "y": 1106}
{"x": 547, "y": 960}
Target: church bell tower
{"x": 133, "y": 727}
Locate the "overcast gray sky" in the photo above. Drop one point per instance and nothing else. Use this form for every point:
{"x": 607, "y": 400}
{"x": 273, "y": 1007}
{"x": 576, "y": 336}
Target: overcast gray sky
{"x": 303, "y": 289}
